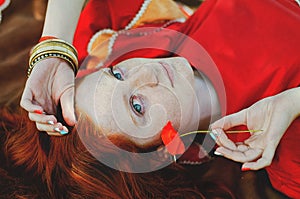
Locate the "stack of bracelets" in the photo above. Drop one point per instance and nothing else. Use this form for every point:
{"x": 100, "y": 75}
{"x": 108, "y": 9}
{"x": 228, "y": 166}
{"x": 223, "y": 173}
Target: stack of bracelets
{"x": 53, "y": 47}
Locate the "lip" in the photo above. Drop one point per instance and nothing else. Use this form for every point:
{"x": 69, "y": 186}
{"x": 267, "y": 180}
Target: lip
{"x": 169, "y": 71}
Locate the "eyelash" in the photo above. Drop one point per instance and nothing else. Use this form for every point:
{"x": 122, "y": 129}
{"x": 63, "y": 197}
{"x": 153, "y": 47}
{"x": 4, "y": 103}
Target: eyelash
{"x": 133, "y": 98}
{"x": 114, "y": 74}
{"x": 141, "y": 105}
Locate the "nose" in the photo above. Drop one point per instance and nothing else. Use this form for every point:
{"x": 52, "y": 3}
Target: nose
{"x": 143, "y": 74}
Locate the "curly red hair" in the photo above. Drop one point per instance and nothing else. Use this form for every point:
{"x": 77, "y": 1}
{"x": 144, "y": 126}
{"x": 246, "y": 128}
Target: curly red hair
{"x": 40, "y": 166}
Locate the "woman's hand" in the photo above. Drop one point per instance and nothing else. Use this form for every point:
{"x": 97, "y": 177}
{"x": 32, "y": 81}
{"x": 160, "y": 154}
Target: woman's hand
{"x": 51, "y": 82}
{"x": 272, "y": 115}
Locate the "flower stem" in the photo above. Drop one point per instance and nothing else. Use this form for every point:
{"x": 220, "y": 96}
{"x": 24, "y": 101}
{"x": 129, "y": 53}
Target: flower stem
{"x": 208, "y": 131}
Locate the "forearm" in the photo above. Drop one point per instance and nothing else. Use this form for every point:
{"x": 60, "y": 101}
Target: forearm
{"x": 61, "y": 18}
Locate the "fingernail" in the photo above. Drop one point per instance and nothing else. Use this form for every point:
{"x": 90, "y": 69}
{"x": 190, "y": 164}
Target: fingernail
{"x": 56, "y": 129}
{"x": 39, "y": 112}
{"x": 218, "y": 153}
{"x": 245, "y": 169}
{"x": 50, "y": 122}
{"x": 62, "y": 132}
{"x": 212, "y": 136}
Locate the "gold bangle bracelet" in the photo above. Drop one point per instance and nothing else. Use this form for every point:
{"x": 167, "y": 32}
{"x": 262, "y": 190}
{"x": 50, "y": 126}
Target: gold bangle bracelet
{"x": 55, "y": 42}
{"x": 71, "y": 56}
{"x": 49, "y": 55}
{"x": 53, "y": 48}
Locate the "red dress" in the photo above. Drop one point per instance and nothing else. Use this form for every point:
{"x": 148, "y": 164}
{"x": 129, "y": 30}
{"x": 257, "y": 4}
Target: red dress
{"x": 253, "y": 48}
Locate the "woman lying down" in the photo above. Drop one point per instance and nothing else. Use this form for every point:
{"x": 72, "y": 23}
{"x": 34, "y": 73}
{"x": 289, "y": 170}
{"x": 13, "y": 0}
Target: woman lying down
{"x": 151, "y": 79}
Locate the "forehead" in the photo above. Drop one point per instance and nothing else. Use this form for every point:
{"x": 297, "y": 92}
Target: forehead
{"x": 137, "y": 61}
{"x": 133, "y": 62}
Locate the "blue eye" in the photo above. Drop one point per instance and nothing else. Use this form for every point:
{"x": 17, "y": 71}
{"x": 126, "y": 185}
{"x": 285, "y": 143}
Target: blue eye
{"x": 137, "y": 105}
{"x": 116, "y": 74}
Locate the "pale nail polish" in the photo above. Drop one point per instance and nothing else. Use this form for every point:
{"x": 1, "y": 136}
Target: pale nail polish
{"x": 50, "y": 122}
{"x": 218, "y": 153}
{"x": 212, "y": 136}
{"x": 62, "y": 132}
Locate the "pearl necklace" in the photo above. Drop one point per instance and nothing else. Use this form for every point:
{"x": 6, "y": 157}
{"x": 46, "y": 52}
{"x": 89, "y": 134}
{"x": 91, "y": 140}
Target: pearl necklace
{"x": 113, "y": 32}
{"x": 139, "y": 14}
{"x": 125, "y": 31}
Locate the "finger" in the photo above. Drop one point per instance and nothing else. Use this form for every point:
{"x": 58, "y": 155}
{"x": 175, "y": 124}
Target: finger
{"x": 238, "y": 156}
{"x": 57, "y": 129}
{"x": 54, "y": 134}
{"x": 48, "y": 127}
{"x": 67, "y": 105}
{"x": 26, "y": 102}
{"x": 230, "y": 121}
{"x": 242, "y": 147}
{"x": 42, "y": 118}
{"x": 264, "y": 161}
{"x": 222, "y": 139}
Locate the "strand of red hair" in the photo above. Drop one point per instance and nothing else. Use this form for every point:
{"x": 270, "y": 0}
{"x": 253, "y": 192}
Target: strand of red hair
{"x": 62, "y": 167}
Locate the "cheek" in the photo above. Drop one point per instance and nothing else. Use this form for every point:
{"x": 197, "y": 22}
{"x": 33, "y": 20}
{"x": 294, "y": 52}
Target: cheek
{"x": 174, "y": 108}
{"x": 168, "y": 102}
{"x": 188, "y": 107}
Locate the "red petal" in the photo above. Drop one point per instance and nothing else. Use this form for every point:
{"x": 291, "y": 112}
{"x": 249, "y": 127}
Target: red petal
{"x": 171, "y": 140}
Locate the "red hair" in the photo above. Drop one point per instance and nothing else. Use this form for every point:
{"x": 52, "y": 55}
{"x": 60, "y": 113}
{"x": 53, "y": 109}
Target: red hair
{"x": 41, "y": 166}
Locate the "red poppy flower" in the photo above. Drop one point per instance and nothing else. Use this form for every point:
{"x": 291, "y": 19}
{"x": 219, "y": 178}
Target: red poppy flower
{"x": 171, "y": 140}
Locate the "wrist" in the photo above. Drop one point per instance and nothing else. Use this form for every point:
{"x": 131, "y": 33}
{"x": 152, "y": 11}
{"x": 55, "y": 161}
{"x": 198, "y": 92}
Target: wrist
{"x": 297, "y": 101}
{"x": 292, "y": 97}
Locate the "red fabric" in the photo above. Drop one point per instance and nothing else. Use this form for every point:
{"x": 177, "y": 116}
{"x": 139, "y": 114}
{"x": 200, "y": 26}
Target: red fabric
{"x": 253, "y": 43}
{"x": 99, "y": 15}
{"x": 195, "y": 154}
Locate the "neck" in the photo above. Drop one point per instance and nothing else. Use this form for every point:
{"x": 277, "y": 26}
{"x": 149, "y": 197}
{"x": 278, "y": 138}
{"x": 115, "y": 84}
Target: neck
{"x": 208, "y": 101}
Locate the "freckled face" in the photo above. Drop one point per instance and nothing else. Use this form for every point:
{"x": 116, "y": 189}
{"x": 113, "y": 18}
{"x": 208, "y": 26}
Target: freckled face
{"x": 138, "y": 96}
